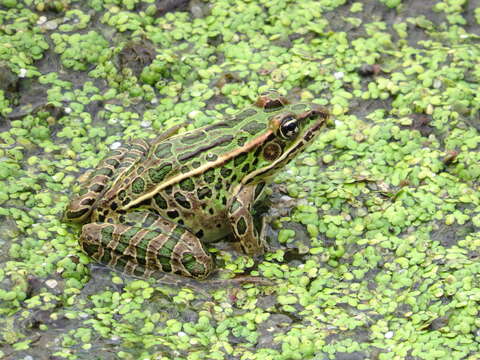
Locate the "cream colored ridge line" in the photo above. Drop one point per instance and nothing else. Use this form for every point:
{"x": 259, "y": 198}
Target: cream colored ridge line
{"x": 221, "y": 160}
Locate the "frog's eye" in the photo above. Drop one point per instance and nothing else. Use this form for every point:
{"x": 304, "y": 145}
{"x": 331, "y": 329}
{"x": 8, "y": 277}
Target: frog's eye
{"x": 288, "y": 127}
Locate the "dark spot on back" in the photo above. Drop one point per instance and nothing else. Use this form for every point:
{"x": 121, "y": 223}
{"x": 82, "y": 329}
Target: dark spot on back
{"x": 172, "y": 214}
{"x": 240, "y": 159}
{"x": 244, "y": 114}
{"x": 241, "y": 141}
{"x": 159, "y": 173}
{"x": 187, "y": 184}
{"x": 138, "y": 185}
{"x": 182, "y": 200}
{"x": 218, "y": 125}
{"x": 160, "y": 201}
{"x": 225, "y": 173}
{"x": 194, "y": 138}
{"x": 163, "y": 150}
{"x": 299, "y": 107}
{"x": 204, "y": 192}
{"x": 257, "y": 152}
{"x": 254, "y": 127}
{"x": 221, "y": 141}
{"x": 209, "y": 176}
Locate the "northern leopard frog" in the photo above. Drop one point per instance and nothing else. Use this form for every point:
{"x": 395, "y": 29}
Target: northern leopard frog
{"x": 151, "y": 207}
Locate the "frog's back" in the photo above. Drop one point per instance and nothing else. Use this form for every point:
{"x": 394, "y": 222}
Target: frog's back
{"x": 188, "y": 156}
{"x": 210, "y": 160}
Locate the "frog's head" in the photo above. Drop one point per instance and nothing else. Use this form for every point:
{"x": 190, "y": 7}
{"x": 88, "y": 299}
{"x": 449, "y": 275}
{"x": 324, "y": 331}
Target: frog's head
{"x": 291, "y": 128}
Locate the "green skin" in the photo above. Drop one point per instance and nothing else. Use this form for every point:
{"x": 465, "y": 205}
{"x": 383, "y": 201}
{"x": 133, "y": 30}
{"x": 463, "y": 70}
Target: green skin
{"x": 150, "y": 207}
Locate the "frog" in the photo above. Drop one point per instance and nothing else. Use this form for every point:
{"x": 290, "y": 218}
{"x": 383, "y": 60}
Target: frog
{"x": 153, "y": 207}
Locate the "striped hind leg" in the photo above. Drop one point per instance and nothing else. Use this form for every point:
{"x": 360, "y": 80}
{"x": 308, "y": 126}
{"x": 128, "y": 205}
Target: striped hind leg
{"x": 146, "y": 244}
{"x": 110, "y": 168}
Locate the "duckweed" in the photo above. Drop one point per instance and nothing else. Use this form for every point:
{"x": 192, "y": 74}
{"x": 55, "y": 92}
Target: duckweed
{"x": 373, "y": 230}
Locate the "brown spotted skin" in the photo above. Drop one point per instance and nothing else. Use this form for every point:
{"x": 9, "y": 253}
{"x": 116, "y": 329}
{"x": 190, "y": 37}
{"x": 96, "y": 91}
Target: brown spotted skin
{"x": 151, "y": 207}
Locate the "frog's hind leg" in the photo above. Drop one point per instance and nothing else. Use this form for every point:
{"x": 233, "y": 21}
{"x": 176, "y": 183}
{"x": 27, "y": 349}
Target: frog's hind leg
{"x": 116, "y": 163}
{"x": 157, "y": 245}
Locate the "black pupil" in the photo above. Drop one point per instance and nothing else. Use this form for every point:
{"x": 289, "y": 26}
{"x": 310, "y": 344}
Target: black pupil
{"x": 289, "y": 126}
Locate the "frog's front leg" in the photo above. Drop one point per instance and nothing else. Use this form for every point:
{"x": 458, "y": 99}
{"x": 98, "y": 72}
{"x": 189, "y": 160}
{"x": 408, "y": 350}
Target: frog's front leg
{"x": 240, "y": 216}
{"x": 110, "y": 168}
{"x": 153, "y": 244}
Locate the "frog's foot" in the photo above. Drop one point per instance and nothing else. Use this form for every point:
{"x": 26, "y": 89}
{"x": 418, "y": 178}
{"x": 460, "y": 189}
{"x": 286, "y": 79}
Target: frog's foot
{"x": 142, "y": 251}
